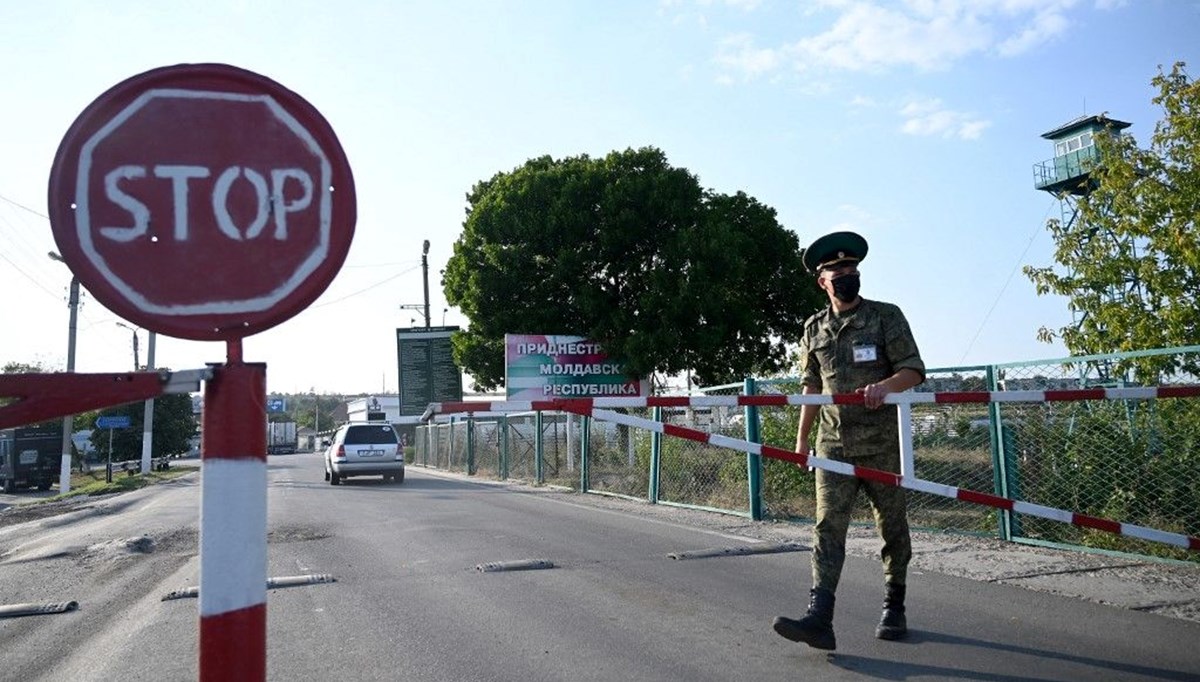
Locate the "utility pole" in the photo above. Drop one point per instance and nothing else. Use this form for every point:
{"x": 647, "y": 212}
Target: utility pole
{"x": 148, "y": 415}
{"x": 425, "y": 270}
{"x": 68, "y": 430}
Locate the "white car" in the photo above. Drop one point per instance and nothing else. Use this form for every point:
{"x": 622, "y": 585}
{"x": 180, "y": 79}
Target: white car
{"x": 365, "y": 449}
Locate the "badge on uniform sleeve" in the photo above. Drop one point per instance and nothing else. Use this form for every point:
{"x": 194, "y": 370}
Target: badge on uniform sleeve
{"x": 865, "y": 353}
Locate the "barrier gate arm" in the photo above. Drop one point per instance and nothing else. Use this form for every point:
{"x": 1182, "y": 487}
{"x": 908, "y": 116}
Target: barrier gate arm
{"x": 902, "y": 481}
{"x": 40, "y": 397}
{"x": 593, "y": 407}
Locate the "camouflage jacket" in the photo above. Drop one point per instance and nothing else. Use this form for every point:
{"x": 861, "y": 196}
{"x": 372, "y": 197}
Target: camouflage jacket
{"x": 843, "y": 352}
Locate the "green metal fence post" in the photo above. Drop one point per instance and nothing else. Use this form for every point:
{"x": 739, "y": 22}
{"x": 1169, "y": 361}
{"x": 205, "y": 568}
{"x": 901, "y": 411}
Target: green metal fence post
{"x": 450, "y": 449}
{"x": 753, "y": 462}
{"x": 1012, "y": 479}
{"x": 655, "y": 457}
{"x": 470, "y": 445}
{"x": 1004, "y": 517}
{"x": 538, "y": 449}
{"x": 585, "y": 451}
{"x": 503, "y": 447}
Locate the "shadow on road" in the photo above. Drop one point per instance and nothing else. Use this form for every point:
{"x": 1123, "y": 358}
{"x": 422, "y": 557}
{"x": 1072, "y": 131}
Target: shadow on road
{"x": 889, "y": 669}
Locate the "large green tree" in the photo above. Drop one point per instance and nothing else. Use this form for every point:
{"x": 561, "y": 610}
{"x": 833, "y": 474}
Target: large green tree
{"x": 174, "y": 424}
{"x": 1131, "y": 260}
{"x": 633, "y": 253}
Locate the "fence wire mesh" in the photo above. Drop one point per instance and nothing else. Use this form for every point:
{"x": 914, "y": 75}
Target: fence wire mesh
{"x": 700, "y": 474}
{"x": 522, "y": 446}
{"x": 1134, "y": 461}
{"x": 619, "y": 457}
{"x": 561, "y": 439}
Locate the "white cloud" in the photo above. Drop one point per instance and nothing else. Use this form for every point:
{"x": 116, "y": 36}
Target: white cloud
{"x": 854, "y": 218}
{"x": 739, "y": 55}
{"x": 1044, "y": 27}
{"x": 685, "y": 11}
{"x": 866, "y": 36}
{"x": 927, "y": 35}
{"x": 930, "y": 117}
{"x": 744, "y": 5}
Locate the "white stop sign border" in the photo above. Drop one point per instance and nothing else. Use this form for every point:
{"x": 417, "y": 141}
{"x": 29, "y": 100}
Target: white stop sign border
{"x": 251, "y": 305}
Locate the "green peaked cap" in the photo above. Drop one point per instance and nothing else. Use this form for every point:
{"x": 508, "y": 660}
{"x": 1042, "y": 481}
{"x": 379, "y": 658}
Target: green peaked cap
{"x": 835, "y": 247}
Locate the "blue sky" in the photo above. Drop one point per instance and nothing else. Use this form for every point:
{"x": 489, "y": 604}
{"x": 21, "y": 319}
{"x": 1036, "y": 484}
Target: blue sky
{"x": 914, "y": 122}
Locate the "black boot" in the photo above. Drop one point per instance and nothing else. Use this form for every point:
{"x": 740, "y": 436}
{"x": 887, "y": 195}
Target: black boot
{"x": 892, "y": 624}
{"x": 814, "y": 629}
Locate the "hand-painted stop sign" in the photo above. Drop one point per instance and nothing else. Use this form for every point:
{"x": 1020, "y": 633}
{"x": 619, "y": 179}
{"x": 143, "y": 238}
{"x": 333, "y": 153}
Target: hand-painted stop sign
{"x": 202, "y": 201}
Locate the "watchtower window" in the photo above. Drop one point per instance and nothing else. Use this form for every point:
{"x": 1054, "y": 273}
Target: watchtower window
{"x": 1073, "y": 144}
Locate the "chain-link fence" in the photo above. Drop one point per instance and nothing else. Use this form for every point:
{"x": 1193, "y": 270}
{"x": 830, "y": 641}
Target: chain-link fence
{"x": 1134, "y": 461}
{"x": 619, "y": 457}
{"x": 950, "y": 445}
{"x": 699, "y": 474}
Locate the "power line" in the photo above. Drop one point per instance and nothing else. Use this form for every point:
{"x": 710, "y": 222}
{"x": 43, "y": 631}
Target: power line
{"x": 29, "y": 253}
{"x": 379, "y": 265}
{"x": 27, "y": 276}
{"x": 24, "y": 207}
{"x": 1008, "y": 281}
{"x": 364, "y": 290}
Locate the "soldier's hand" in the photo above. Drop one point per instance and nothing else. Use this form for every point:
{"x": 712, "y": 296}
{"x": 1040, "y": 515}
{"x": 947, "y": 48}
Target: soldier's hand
{"x": 873, "y": 395}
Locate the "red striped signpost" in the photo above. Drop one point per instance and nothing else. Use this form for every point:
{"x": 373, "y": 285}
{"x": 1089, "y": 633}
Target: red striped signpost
{"x": 206, "y": 202}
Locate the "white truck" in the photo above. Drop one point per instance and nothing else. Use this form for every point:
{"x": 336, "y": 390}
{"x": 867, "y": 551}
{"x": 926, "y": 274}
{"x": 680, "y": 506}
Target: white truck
{"x": 281, "y": 438}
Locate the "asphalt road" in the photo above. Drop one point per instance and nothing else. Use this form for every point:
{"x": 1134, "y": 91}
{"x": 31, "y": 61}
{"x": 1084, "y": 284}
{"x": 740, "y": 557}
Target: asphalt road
{"x": 409, "y": 603}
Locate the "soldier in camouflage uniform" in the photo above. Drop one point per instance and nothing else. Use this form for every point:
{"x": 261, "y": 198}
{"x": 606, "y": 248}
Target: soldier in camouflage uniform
{"x": 853, "y": 346}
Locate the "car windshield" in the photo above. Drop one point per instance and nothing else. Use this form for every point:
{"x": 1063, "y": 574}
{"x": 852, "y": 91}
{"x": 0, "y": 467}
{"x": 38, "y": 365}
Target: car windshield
{"x": 370, "y": 435}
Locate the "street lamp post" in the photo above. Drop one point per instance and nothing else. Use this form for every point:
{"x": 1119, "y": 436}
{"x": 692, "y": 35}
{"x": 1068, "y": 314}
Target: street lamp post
{"x": 136, "y": 361}
{"x": 64, "y": 472}
{"x": 148, "y": 413}
{"x": 425, "y": 271}
{"x": 423, "y": 307}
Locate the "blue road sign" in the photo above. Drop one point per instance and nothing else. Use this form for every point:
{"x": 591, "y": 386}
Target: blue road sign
{"x": 115, "y": 421}
{"x": 276, "y": 404}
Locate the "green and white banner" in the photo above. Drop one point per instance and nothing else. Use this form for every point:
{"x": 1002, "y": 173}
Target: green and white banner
{"x": 538, "y": 367}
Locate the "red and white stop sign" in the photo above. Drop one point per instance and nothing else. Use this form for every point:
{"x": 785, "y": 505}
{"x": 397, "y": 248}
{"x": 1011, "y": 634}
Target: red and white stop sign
{"x": 202, "y": 201}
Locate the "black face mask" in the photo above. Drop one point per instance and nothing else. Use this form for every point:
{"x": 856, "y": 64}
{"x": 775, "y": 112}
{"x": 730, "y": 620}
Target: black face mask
{"x": 845, "y": 288}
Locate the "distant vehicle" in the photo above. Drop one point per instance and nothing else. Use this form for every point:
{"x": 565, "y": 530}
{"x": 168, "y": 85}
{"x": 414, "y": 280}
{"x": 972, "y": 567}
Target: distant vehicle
{"x": 30, "y": 456}
{"x": 281, "y": 438}
{"x": 364, "y": 449}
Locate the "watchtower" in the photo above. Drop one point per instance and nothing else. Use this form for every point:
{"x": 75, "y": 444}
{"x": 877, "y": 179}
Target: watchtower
{"x": 1075, "y": 155}
{"x": 1068, "y": 176}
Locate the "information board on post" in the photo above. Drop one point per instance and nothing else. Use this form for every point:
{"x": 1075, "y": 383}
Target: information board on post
{"x": 426, "y": 369}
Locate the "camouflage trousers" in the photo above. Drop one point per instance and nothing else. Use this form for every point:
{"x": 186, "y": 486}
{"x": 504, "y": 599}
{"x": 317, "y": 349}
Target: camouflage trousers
{"x": 835, "y": 500}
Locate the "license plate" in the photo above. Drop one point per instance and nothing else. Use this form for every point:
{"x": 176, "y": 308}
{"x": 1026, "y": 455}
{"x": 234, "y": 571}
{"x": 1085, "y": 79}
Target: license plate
{"x": 370, "y": 453}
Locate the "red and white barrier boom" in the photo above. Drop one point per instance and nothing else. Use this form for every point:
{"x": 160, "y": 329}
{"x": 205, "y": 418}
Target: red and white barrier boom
{"x": 602, "y": 409}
